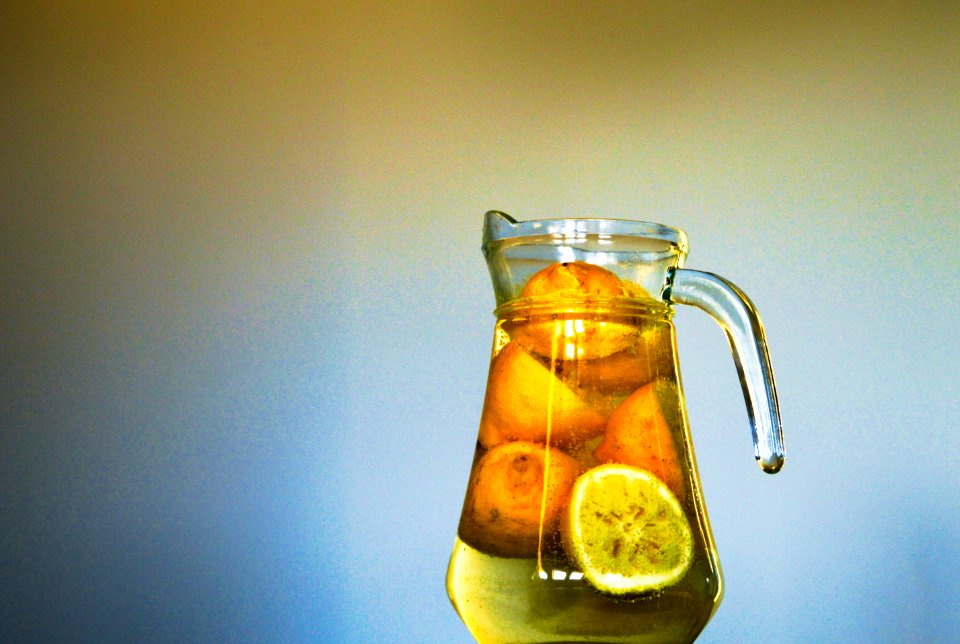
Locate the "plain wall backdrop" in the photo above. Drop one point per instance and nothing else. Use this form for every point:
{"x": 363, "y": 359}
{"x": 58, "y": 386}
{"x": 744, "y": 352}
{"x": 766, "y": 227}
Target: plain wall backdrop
{"x": 246, "y": 321}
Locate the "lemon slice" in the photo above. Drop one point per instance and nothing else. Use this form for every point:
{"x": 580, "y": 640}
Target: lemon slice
{"x": 626, "y": 530}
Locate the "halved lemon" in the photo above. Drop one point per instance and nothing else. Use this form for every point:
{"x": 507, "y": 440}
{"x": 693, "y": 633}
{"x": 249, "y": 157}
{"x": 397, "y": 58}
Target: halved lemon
{"x": 626, "y": 530}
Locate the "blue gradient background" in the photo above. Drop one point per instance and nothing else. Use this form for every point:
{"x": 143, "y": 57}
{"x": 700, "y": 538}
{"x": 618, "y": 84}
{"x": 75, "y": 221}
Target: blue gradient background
{"x": 246, "y": 320}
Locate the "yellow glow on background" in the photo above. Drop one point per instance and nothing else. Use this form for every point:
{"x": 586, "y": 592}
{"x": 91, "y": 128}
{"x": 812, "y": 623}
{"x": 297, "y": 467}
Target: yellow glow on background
{"x": 246, "y": 320}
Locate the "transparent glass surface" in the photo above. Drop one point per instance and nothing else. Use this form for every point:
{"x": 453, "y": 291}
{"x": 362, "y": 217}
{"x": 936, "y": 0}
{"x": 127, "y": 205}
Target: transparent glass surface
{"x": 583, "y": 518}
{"x": 550, "y": 398}
{"x": 637, "y": 251}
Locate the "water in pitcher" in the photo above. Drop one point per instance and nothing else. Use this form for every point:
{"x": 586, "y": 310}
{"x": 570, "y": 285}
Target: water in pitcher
{"x": 583, "y": 518}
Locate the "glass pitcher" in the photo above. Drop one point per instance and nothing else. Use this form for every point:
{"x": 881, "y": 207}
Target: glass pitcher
{"x": 583, "y": 519}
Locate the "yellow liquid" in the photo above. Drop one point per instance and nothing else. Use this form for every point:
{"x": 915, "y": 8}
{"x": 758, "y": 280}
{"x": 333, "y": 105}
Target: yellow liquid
{"x": 506, "y": 600}
{"x": 587, "y": 363}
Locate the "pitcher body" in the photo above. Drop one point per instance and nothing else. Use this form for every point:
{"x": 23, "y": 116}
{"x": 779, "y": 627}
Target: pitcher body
{"x": 583, "y": 518}
{"x": 551, "y": 414}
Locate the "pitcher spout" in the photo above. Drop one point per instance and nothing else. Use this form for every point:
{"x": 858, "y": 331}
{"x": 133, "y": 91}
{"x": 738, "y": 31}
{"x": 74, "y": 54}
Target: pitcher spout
{"x": 497, "y": 225}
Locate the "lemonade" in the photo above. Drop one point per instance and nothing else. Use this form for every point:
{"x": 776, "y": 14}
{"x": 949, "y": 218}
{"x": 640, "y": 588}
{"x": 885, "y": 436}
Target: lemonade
{"x": 583, "y": 518}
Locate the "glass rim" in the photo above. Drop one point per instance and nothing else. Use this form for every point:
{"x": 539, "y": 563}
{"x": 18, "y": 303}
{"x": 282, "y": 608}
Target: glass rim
{"x": 500, "y": 226}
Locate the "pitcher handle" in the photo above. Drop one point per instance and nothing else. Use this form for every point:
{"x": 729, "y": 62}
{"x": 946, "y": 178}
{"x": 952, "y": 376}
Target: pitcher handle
{"x": 732, "y": 309}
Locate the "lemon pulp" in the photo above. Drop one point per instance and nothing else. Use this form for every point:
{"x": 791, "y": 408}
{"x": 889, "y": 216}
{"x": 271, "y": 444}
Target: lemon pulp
{"x": 626, "y": 530}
